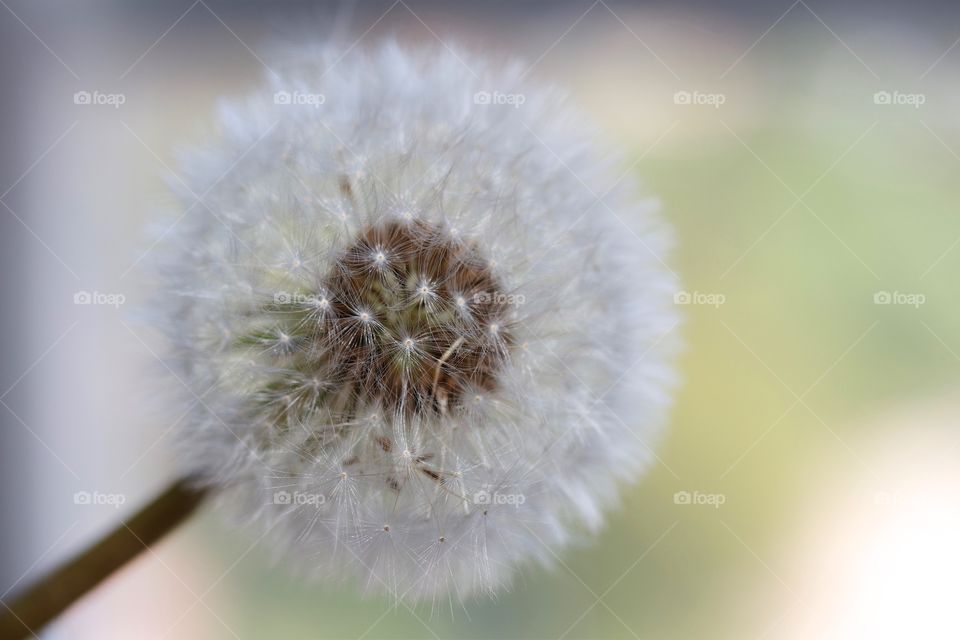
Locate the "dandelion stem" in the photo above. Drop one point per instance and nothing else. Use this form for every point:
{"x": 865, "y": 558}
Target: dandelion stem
{"x": 40, "y": 603}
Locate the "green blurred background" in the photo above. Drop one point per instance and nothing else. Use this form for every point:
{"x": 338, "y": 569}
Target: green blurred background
{"x": 815, "y": 430}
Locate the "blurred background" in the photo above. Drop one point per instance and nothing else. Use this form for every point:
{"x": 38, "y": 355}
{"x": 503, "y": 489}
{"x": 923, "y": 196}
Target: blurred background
{"x": 807, "y": 155}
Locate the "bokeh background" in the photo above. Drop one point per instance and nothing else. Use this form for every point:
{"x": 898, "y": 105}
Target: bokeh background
{"x": 808, "y": 156}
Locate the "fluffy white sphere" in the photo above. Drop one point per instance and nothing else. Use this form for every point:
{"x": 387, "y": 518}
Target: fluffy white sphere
{"x": 425, "y": 343}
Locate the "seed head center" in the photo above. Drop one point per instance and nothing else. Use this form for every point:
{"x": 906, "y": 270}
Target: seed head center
{"x": 420, "y": 333}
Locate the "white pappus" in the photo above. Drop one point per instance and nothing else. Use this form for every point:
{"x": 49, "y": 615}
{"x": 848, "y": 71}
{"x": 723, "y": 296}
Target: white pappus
{"x": 427, "y": 345}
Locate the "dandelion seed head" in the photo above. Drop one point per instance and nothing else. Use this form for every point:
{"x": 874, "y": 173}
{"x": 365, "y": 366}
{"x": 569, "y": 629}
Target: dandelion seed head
{"x": 458, "y": 366}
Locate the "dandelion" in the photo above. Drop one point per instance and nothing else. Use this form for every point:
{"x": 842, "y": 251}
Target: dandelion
{"x": 449, "y": 411}
{"x": 429, "y": 348}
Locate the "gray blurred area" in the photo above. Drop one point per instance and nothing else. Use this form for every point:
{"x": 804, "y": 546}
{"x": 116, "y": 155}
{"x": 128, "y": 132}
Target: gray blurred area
{"x": 825, "y": 419}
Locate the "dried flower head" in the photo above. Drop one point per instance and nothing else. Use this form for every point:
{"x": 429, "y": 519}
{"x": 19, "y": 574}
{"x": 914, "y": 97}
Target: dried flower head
{"x": 424, "y": 348}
